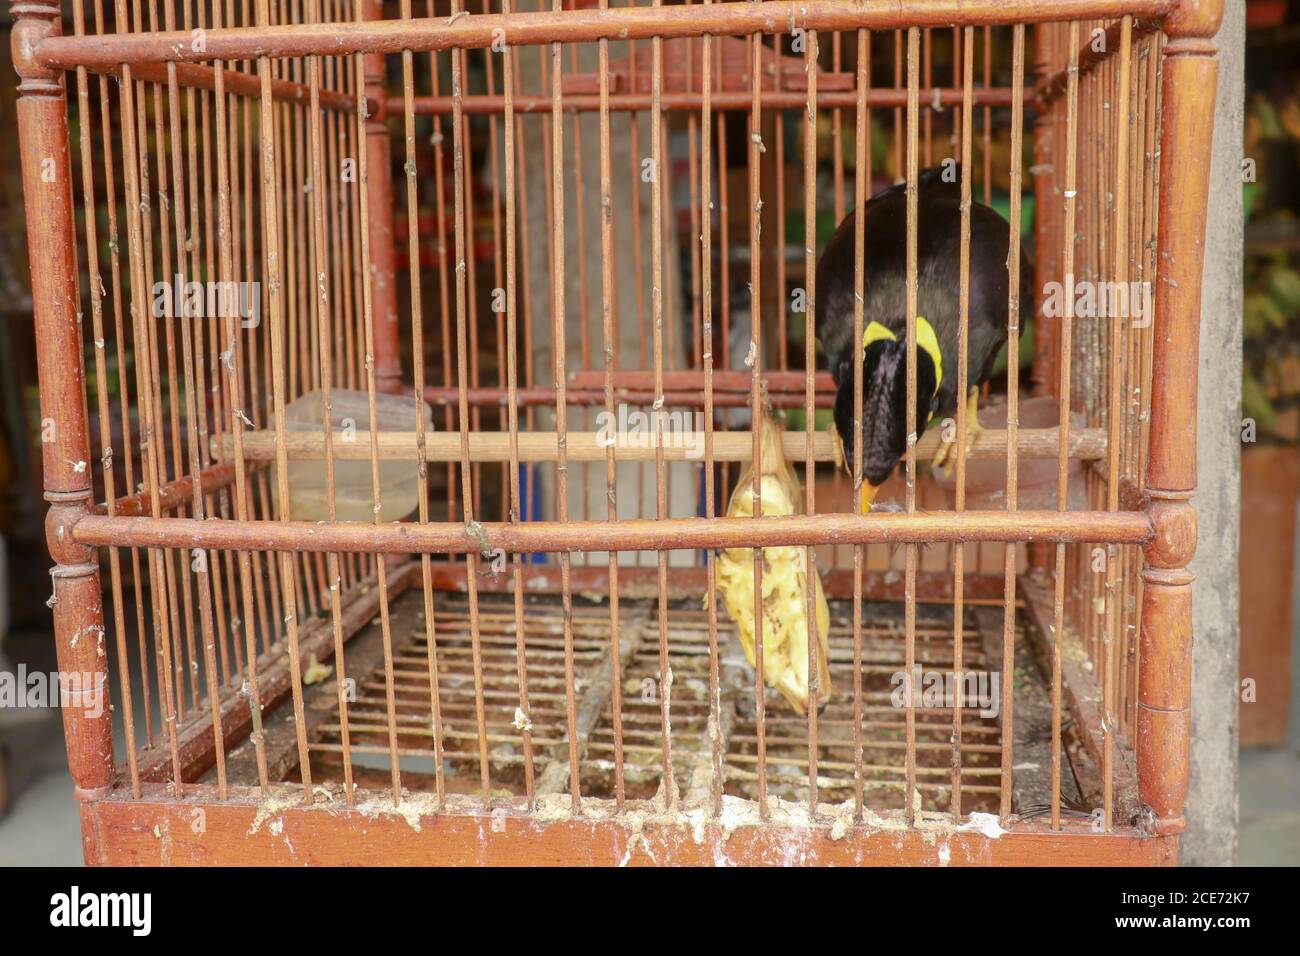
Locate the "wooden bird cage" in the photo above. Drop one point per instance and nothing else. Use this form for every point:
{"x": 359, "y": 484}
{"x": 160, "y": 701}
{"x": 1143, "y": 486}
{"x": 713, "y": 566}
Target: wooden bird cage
{"x": 248, "y": 219}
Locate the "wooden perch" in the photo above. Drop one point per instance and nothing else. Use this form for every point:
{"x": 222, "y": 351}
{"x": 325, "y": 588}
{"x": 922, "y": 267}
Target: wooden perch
{"x": 1034, "y": 443}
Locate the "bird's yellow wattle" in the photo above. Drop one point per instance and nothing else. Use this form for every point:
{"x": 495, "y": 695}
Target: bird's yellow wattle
{"x": 927, "y": 340}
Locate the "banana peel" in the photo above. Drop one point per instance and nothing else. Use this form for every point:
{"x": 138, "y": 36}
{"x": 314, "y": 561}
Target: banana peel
{"x": 784, "y": 579}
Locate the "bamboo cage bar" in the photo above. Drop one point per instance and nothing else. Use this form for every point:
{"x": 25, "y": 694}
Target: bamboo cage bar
{"x": 321, "y": 306}
{"x": 98, "y": 295}
{"x": 910, "y": 280}
{"x": 1093, "y": 54}
{"x": 860, "y": 191}
{"x": 963, "y": 384}
{"x": 815, "y": 690}
{"x": 1069, "y": 199}
{"x": 716, "y": 713}
{"x": 1009, "y": 557}
{"x": 462, "y": 294}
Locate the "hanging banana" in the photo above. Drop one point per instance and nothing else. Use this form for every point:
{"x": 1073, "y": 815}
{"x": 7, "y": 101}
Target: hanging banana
{"x": 784, "y": 579}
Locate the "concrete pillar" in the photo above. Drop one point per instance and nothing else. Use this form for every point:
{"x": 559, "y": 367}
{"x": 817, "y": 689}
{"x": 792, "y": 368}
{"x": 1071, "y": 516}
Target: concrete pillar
{"x": 1211, "y": 807}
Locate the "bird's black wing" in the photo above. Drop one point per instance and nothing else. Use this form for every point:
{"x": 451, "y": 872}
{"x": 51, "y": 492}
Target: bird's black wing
{"x": 938, "y": 277}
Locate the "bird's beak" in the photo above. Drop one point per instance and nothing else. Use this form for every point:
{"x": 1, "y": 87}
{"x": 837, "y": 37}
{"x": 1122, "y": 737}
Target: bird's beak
{"x": 869, "y": 492}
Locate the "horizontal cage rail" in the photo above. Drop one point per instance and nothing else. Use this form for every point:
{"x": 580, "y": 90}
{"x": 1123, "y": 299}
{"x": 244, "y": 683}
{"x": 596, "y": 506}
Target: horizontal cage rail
{"x": 1088, "y": 444}
{"x": 478, "y": 31}
{"x": 198, "y": 76}
{"x": 726, "y": 102}
{"x": 1094, "y": 527}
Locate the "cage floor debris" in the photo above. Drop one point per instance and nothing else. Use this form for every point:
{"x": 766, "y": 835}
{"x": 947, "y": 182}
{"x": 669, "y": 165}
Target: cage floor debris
{"x": 882, "y": 737}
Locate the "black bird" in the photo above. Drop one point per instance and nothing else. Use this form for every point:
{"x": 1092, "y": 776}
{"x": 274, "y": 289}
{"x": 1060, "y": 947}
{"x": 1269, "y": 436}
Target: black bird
{"x": 884, "y": 358}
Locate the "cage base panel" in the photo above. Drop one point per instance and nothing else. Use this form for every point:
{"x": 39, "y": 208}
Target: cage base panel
{"x": 882, "y": 779}
{"x": 195, "y": 746}
{"x": 1083, "y": 699}
{"x": 878, "y": 772}
{"x": 247, "y": 830}
{"x": 449, "y": 581}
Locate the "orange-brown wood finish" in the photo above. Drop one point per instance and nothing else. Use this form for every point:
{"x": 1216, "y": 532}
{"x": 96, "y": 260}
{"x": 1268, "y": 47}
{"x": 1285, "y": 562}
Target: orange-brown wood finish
{"x": 379, "y": 184}
{"x": 1189, "y": 77}
{"x": 65, "y": 447}
{"x": 272, "y": 825}
{"x": 247, "y": 832}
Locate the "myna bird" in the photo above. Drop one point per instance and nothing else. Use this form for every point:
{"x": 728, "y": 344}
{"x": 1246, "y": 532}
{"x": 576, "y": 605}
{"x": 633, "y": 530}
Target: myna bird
{"x": 883, "y": 349}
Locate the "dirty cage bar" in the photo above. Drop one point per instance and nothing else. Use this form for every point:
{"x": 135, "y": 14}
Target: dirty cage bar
{"x": 408, "y": 377}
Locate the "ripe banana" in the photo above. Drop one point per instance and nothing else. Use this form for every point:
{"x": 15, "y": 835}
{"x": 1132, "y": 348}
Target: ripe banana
{"x": 784, "y": 579}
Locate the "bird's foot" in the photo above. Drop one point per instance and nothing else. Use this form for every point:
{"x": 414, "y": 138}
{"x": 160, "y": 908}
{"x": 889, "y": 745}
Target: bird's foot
{"x": 945, "y": 458}
{"x": 837, "y": 446}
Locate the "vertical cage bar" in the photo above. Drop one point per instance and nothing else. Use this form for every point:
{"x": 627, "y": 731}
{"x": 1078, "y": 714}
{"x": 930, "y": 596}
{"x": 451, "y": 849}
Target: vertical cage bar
{"x": 986, "y": 127}
{"x": 811, "y": 580}
{"x": 232, "y": 360}
{"x": 609, "y": 332}
{"x": 512, "y": 412}
{"x": 755, "y": 394}
{"x": 101, "y": 395}
{"x": 120, "y": 343}
{"x": 440, "y": 247}
{"x": 277, "y": 363}
{"x": 560, "y": 345}
{"x": 324, "y": 336}
{"x": 693, "y": 355}
{"x": 710, "y": 478}
{"x": 182, "y": 632}
{"x": 135, "y": 167}
{"x": 963, "y": 379}
{"x": 463, "y": 250}
{"x": 910, "y": 797}
{"x": 669, "y": 788}
{"x": 1114, "y": 614}
{"x": 1064, "y": 361}
{"x": 927, "y": 69}
{"x": 1013, "y": 413}
{"x": 1046, "y": 217}
{"x": 200, "y": 564}
{"x": 861, "y": 188}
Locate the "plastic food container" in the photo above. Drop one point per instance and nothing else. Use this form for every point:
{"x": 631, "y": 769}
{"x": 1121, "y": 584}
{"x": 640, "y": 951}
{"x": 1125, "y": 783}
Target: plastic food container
{"x": 350, "y": 418}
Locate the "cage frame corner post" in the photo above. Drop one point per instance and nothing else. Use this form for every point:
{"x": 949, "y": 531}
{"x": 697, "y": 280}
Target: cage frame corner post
{"x": 1189, "y": 75}
{"x": 76, "y": 600}
{"x": 379, "y": 187}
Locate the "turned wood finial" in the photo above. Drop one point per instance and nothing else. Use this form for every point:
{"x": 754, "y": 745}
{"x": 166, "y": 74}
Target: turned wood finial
{"x": 60, "y": 520}
{"x": 34, "y": 20}
{"x": 1174, "y": 541}
{"x": 1193, "y": 19}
